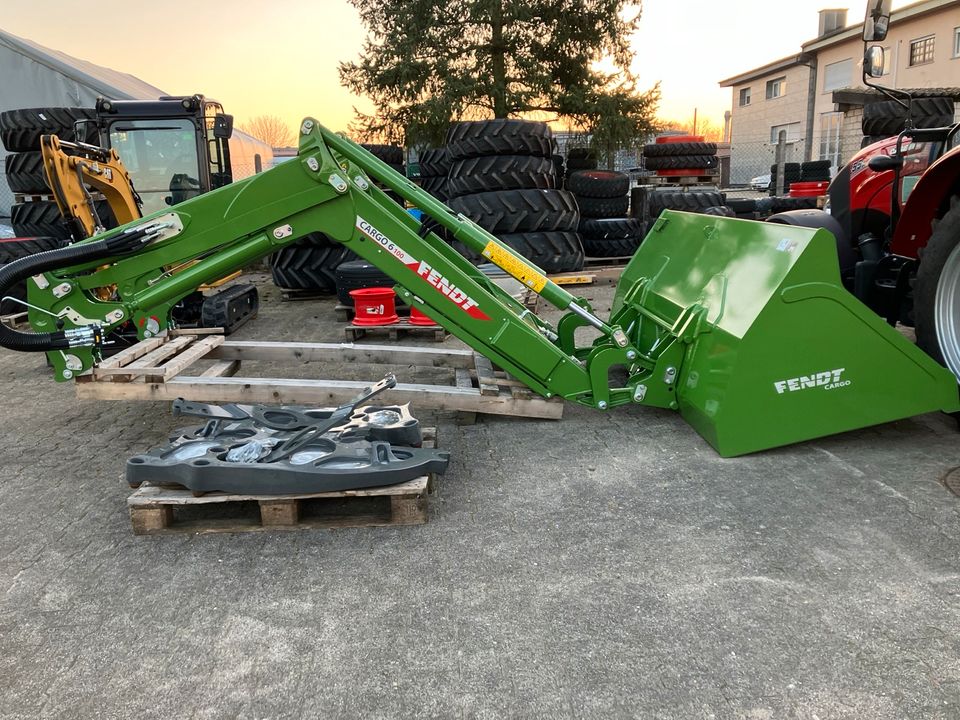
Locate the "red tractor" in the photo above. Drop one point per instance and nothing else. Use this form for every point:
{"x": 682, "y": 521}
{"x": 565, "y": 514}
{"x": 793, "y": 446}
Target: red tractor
{"x": 895, "y": 211}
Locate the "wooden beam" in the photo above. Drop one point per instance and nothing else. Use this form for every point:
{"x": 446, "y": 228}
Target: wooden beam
{"x": 344, "y": 352}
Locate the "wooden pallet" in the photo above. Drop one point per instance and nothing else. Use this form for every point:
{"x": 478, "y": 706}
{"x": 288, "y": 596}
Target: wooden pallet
{"x": 353, "y": 332}
{"x": 201, "y": 366}
{"x": 155, "y": 509}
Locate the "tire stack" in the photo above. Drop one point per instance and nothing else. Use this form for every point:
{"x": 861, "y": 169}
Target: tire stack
{"x": 603, "y": 199}
{"x": 502, "y": 176}
{"x": 695, "y": 201}
{"x": 815, "y": 171}
{"x": 581, "y": 158}
{"x": 310, "y": 264}
{"x": 887, "y": 118}
{"x": 434, "y": 167}
{"x": 20, "y": 132}
{"x": 680, "y": 155}
{"x": 791, "y": 174}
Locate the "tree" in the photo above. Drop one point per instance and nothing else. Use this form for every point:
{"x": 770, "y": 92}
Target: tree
{"x": 705, "y": 127}
{"x": 270, "y": 129}
{"x": 426, "y": 63}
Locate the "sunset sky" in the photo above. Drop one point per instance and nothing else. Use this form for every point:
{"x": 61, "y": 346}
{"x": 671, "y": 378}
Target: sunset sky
{"x": 280, "y": 57}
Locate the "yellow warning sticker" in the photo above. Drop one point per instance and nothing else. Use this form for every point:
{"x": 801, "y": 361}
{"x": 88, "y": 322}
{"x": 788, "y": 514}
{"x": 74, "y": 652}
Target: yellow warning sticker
{"x": 516, "y": 267}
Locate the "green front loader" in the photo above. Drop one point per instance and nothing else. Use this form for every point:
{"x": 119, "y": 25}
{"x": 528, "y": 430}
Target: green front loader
{"x": 742, "y": 327}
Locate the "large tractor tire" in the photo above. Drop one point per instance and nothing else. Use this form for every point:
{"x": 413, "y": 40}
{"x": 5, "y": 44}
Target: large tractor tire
{"x": 20, "y": 130}
{"x": 25, "y": 173}
{"x": 615, "y": 207}
{"x": 390, "y": 154}
{"x": 520, "y": 211}
{"x": 580, "y": 158}
{"x": 552, "y": 252}
{"x": 611, "y": 237}
{"x": 690, "y": 201}
{"x": 499, "y": 137}
{"x": 309, "y": 264}
{"x": 679, "y": 148}
{"x": 15, "y": 248}
{"x": 434, "y": 162}
{"x": 598, "y": 183}
{"x": 888, "y": 117}
{"x": 682, "y": 162}
{"x": 936, "y": 293}
{"x": 359, "y": 274}
{"x": 500, "y": 172}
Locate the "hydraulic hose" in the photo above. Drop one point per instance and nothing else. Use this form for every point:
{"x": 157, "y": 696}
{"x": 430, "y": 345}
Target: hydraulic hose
{"x": 26, "y": 267}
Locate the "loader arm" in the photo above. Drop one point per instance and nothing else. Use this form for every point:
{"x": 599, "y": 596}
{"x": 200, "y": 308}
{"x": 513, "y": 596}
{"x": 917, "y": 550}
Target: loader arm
{"x": 744, "y": 327}
{"x": 329, "y": 190}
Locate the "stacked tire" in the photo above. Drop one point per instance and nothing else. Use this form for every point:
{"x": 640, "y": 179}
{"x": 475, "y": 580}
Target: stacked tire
{"x": 434, "y": 167}
{"x": 309, "y": 264}
{"x": 392, "y": 155}
{"x": 581, "y": 158}
{"x": 502, "y": 176}
{"x": 887, "y": 118}
{"x": 20, "y": 132}
{"x": 815, "y": 171}
{"x": 603, "y": 199}
{"x": 791, "y": 174}
{"x": 680, "y": 155}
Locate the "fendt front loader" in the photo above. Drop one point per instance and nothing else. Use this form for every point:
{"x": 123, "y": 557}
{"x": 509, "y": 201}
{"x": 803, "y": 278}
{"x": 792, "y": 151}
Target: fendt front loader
{"x": 743, "y": 327}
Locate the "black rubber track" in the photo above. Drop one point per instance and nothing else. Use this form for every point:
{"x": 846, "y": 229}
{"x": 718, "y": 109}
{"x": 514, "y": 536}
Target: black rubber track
{"x": 680, "y": 148}
{"x": 682, "y": 162}
{"x": 500, "y": 172}
{"x": 888, "y": 117}
{"x": 309, "y": 264}
{"x": 498, "y": 137}
{"x": 358, "y": 274}
{"x": 691, "y": 201}
{"x": 36, "y": 219}
{"x": 943, "y": 241}
{"x": 390, "y": 154}
{"x": 603, "y": 207}
{"x": 513, "y": 211}
{"x": 230, "y": 308}
{"x": 25, "y": 173}
{"x": 20, "y": 130}
{"x": 15, "y": 248}
{"x": 550, "y": 251}
{"x": 598, "y": 183}
{"x": 434, "y": 162}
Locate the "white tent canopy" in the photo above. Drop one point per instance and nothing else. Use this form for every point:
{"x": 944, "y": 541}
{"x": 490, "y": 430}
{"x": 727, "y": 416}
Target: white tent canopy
{"x": 32, "y": 75}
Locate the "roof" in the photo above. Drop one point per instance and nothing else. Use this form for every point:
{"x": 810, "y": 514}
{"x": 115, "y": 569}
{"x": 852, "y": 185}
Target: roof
{"x": 102, "y": 80}
{"x": 776, "y": 66}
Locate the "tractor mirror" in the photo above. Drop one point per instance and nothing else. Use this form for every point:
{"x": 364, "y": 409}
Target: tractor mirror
{"x": 873, "y": 61}
{"x": 223, "y": 126}
{"x": 882, "y": 163}
{"x": 877, "y": 21}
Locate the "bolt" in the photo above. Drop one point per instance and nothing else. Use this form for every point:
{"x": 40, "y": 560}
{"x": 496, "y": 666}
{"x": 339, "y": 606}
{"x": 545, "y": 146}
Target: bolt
{"x": 670, "y": 375}
{"x": 631, "y": 355}
{"x": 313, "y": 164}
{"x": 338, "y": 183}
{"x": 602, "y": 405}
{"x": 360, "y": 182}
{"x": 147, "y": 333}
{"x": 639, "y": 393}
{"x": 306, "y": 127}
{"x": 67, "y": 374}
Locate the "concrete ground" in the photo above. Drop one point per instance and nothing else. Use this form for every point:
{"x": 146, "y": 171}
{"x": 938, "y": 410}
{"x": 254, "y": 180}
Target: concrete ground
{"x": 605, "y": 566}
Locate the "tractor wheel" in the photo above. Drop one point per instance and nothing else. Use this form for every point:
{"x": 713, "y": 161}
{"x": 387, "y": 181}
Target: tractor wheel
{"x": 498, "y": 137}
{"x": 719, "y": 211}
{"x": 20, "y": 130}
{"x": 612, "y": 237}
{"x": 682, "y": 162}
{"x": 500, "y": 172}
{"x": 598, "y": 183}
{"x": 580, "y": 158}
{"x": 936, "y": 293}
{"x": 357, "y": 275}
{"x": 436, "y": 186}
{"x": 309, "y": 264}
{"x": 25, "y": 173}
{"x": 15, "y": 248}
{"x": 513, "y": 211}
{"x": 434, "y": 163}
{"x": 550, "y": 251}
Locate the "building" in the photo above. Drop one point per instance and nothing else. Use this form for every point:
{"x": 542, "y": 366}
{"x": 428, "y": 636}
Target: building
{"x": 32, "y": 75}
{"x": 817, "y": 95}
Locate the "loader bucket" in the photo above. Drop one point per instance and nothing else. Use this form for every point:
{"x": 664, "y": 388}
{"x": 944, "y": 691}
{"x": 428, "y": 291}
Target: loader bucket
{"x": 780, "y": 352}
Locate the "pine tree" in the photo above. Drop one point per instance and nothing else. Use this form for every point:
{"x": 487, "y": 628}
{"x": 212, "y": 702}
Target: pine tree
{"x": 426, "y": 63}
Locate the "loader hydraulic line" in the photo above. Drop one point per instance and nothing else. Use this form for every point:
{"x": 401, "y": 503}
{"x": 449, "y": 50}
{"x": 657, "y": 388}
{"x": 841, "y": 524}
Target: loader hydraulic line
{"x": 706, "y": 320}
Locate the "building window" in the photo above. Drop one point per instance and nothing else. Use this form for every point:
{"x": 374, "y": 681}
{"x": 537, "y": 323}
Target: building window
{"x": 830, "y": 124}
{"x": 776, "y": 88}
{"x": 838, "y": 75}
{"x": 792, "y": 130}
{"x": 921, "y": 51}
{"x": 956, "y": 42}
{"x": 744, "y": 97}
